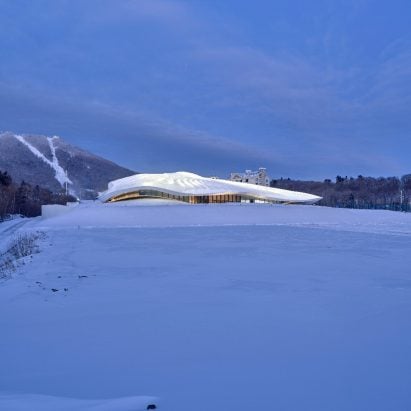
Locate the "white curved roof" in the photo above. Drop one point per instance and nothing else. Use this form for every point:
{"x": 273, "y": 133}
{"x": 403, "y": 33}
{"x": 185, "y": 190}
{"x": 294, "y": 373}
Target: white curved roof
{"x": 188, "y": 184}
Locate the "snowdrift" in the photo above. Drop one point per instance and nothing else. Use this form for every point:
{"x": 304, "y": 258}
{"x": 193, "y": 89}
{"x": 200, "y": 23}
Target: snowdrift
{"x": 34, "y": 402}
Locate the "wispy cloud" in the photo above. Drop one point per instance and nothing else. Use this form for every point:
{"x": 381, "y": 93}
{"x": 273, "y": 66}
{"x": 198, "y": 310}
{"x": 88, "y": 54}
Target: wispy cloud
{"x": 153, "y": 139}
{"x": 164, "y": 10}
{"x": 172, "y": 15}
{"x": 175, "y": 79}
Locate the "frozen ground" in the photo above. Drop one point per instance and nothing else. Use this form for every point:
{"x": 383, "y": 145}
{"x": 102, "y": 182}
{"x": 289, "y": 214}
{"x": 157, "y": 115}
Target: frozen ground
{"x": 126, "y": 214}
{"x": 19, "y": 402}
{"x": 285, "y": 308}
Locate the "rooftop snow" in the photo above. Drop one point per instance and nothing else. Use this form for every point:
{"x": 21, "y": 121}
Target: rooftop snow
{"x": 184, "y": 183}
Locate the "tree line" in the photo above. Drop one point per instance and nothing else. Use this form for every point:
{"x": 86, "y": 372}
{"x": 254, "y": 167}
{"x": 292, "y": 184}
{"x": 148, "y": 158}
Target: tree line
{"x": 389, "y": 193}
{"x": 25, "y": 199}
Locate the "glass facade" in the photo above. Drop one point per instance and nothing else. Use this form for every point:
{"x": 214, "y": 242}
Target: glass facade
{"x": 192, "y": 199}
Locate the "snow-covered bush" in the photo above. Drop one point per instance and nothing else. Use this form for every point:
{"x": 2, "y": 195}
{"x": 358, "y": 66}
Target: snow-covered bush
{"x": 23, "y": 245}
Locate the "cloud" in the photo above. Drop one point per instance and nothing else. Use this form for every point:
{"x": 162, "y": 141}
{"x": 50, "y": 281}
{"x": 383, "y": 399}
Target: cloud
{"x": 153, "y": 142}
{"x": 310, "y": 95}
{"x": 164, "y": 10}
{"x": 171, "y": 15}
{"x": 392, "y": 80}
{"x": 188, "y": 90}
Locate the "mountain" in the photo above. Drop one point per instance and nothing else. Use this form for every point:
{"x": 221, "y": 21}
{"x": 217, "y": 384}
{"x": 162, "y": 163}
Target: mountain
{"x": 52, "y": 163}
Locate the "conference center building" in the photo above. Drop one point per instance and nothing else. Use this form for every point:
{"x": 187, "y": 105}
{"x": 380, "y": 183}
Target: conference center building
{"x": 194, "y": 189}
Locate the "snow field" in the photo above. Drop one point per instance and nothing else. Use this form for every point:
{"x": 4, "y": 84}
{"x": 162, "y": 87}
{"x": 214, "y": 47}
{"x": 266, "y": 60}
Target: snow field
{"x": 137, "y": 214}
{"x": 49, "y": 403}
{"x": 310, "y": 311}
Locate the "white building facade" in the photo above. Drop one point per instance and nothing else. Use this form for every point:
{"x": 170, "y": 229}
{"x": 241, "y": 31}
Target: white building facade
{"x": 194, "y": 189}
{"x": 259, "y": 177}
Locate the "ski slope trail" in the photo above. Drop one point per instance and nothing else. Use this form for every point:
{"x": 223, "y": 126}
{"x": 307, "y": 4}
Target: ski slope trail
{"x": 60, "y": 174}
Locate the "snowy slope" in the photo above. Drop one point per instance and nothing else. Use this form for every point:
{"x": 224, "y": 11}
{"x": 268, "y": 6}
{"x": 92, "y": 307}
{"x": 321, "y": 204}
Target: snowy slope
{"x": 309, "y": 311}
{"x": 60, "y": 174}
{"x": 8, "y": 229}
{"x": 44, "y": 161}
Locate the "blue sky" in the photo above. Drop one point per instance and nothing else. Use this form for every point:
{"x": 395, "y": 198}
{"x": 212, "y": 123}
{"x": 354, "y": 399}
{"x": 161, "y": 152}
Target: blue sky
{"x": 309, "y": 89}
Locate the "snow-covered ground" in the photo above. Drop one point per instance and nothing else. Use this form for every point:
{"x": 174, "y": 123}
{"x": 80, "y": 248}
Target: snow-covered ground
{"x": 18, "y": 402}
{"x": 128, "y": 214}
{"x": 215, "y": 307}
{"x": 7, "y": 229}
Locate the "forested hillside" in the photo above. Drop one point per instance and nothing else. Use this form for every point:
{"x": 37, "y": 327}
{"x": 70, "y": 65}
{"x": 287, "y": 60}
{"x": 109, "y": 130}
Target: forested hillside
{"x": 391, "y": 193}
{"x": 24, "y": 198}
{"x": 52, "y": 163}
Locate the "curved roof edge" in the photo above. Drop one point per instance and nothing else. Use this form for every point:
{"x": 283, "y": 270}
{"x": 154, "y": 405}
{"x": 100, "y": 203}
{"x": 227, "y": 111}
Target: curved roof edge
{"x": 189, "y": 184}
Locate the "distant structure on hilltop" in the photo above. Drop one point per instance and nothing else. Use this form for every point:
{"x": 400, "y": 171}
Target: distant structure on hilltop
{"x": 259, "y": 177}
